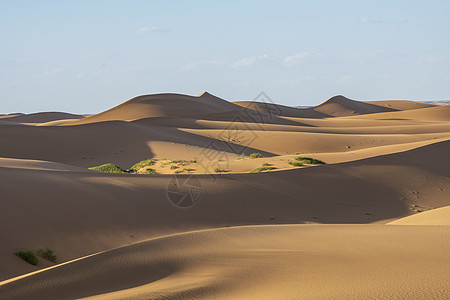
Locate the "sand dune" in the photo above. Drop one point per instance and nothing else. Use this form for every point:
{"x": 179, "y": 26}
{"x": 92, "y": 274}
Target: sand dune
{"x": 254, "y": 262}
{"x": 439, "y": 216}
{"x": 339, "y": 106}
{"x": 434, "y": 114}
{"x": 387, "y": 163}
{"x": 28, "y": 164}
{"x": 162, "y": 105}
{"x": 281, "y": 110}
{"x": 43, "y": 117}
{"x": 400, "y": 104}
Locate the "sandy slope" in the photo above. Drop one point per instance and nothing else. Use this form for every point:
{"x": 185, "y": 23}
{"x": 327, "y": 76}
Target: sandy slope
{"x": 260, "y": 262}
{"x": 433, "y": 114}
{"x": 118, "y": 209}
{"x": 387, "y": 160}
{"x": 439, "y": 216}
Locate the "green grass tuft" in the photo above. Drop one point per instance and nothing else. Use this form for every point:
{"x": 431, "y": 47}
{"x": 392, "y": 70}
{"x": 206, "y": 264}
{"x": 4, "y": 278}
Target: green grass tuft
{"x": 109, "y": 168}
{"x": 29, "y": 256}
{"x": 262, "y": 169}
{"x": 255, "y": 155}
{"x": 296, "y": 164}
{"x": 310, "y": 160}
{"x": 142, "y": 164}
{"x": 179, "y": 161}
{"x": 151, "y": 171}
{"x": 266, "y": 164}
{"x": 218, "y": 170}
{"x": 47, "y": 253}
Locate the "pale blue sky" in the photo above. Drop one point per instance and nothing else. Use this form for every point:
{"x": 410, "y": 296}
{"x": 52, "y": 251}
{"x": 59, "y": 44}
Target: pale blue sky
{"x": 87, "y": 56}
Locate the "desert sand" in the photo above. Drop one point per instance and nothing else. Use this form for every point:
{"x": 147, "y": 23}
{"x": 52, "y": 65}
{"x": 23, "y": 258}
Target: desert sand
{"x": 370, "y": 223}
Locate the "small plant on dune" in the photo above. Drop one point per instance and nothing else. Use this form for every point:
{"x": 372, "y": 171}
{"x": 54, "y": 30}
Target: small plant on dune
{"x": 174, "y": 167}
{"x": 29, "y": 256}
{"x": 179, "y": 161}
{"x": 255, "y": 155}
{"x": 109, "y": 168}
{"x": 47, "y": 253}
{"x": 310, "y": 160}
{"x": 151, "y": 171}
{"x": 296, "y": 164}
{"x": 193, "y": 161}
{"x": 218, "y": 170}
{"x": 266, "y": 164}
{"x": 178, "y": 171}
{"x": 262, "y": 169}
{"x": 188, "y": 169}
{"x": 296, "y": 153}
{"x": 142, "y": 164}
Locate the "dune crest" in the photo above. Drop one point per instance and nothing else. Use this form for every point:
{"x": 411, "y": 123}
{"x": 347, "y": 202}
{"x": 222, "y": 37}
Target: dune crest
{"x": 438, "y": 216}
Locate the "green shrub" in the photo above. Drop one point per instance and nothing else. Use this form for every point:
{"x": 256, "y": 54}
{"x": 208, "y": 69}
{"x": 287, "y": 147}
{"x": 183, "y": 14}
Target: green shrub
{"x": 47, "y": 253}
{"x": 261, "y": 169}
{"x": 109, "y": 168}
{"x": 296, "y": 164}
{"x": 151, "y": 171}
{"x": 193, "y": 161}
{"x": 217, "y": 170}
{"x": 142, "y": 164}
{"x": 29, "y": 256}
{"x": 255, "y": 155}
{"x": 188, "y": 169}
{"x": 179, "y": 161}
{"x": 266, "y": 164}
{"x": 174, "y": 167}
{"x": 310, "y": 160}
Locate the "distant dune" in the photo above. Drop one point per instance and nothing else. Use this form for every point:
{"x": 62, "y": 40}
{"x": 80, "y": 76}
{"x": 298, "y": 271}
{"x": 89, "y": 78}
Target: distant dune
{"x": 42, "y": 117}
{"x": 287, "y": 203}
{"x": 400, "y": 104}
{"x": 340, "y": 106}
{"x": 435, "y": 113}
{"x": 281, "y": 110}
{"x": 162, "y": 105}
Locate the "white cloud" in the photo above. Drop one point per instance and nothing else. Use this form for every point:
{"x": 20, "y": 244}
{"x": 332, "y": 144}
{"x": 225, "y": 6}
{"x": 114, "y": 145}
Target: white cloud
{"x": 200, "y": 63}
{"x": 292, "y": 60}
{"x": 248, "y": 61}
{"x": 367, "y": 20}
{"x": 144, "y": 30}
